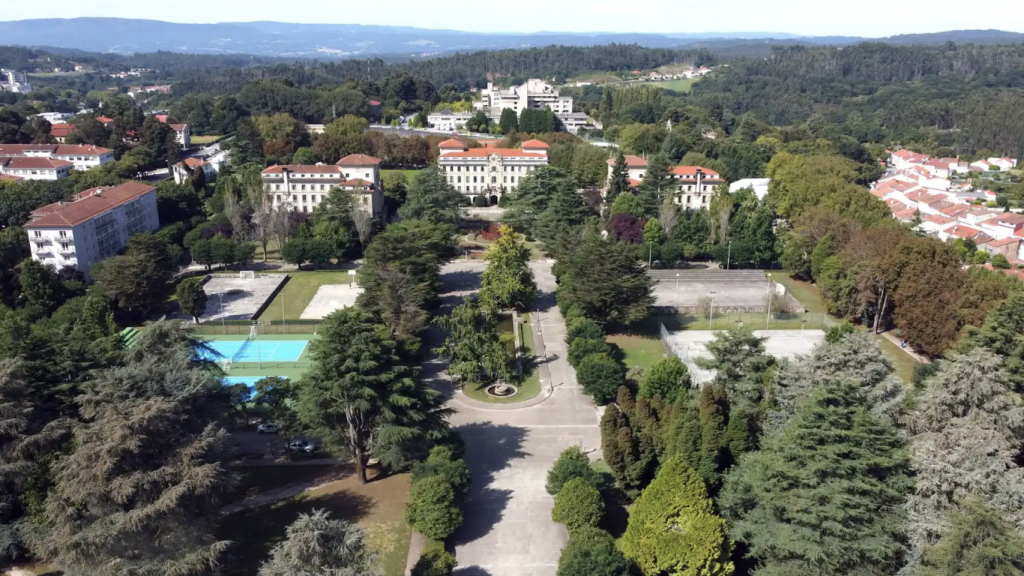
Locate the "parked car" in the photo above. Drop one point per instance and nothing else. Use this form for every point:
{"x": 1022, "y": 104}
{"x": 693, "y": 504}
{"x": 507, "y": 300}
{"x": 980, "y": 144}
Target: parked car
{"x": 267, "y": 428}
{"x": 303, "y": 445}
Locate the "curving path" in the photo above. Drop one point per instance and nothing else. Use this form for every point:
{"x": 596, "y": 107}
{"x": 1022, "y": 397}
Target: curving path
{"x": 508, "y": 529}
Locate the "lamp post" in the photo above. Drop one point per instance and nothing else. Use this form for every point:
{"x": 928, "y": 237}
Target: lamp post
{"x": 768, "y": 316}
{"x": 676, "y": 298}
{"x": 728, "y": 256}
{"x": 221, "y": 296}
{"x": 711, "y": 312}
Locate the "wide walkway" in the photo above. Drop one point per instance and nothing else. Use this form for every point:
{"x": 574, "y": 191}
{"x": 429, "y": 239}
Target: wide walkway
{"x": 508, "y": 529}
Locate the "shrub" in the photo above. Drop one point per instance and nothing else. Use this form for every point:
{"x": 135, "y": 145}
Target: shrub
{"x": 435, "y": 562}
{"x": 592, "y": 552}
{"x": 583, "y": 347}
{"x": 571, "y": 463}
{"x": 442, "y": 462}
{"x": 577, "y": 505}
{"x": 432, "y": 510}
{"x": 574, "y": 313}
{"x": 584, "y": 328}
{"x": 600, "y": 377}
{"x": 837, "y": 332}
{"x": 480, "y": 202}
{"x": 667, "y": 378}
{"x": 1000, "y": 261}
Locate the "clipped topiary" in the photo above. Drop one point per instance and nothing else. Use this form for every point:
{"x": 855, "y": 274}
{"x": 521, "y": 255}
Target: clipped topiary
{"x": 583, "y": 347}
{"x": 435, "y": 562}
{"x": 577, "y": 505}
{"x": 432, "y": 510}
{"x": 571, "y": 463}
{"x": 667, "y": 378}
{"x": 583, "y": 328}
{"x": 600, "y": 376}
{"x": 592, "y": 552}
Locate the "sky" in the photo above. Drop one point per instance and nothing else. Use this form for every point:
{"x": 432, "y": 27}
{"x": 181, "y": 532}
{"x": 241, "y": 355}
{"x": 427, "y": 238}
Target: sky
{"x": 870, "y": 18}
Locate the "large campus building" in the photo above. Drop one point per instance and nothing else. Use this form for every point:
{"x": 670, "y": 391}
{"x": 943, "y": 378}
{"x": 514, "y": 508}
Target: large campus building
{"x": 83, "y": 157}
{"x": 92, "y": 227}
{"x": 694, "y": 184}
{"x": 535, "y": 93}
{"x": 301, "y": 188}
{"x": 489, "y": 172}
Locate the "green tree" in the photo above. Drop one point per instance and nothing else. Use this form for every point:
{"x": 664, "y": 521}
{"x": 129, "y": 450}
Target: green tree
{"x": 508, "y": 122}
{"x": 668, "y": 378}
{"x": 977, "y": 540}
{"x": 135, "y": 282}
{"x": 317, "y": 544}
{"x": 432, "y": 509}
{"x": 473, "y": 349}
{"x": 359, "y": 395}
{"x": 571, "y": 463}
{"x": 507, "y": 283}
{"x": 432, "y": 198}
{"x": 1003, "y": 334}
{"x": 606, "y": 280}
{"x": 41, "y": 288}
{"x": 600, "y": 376}
{"x": 673, "y": 527}
{"x": 435, "y": 562}
{"x": 592, "y": 552}
{"x": 192, "y": 298}
{"x": 565, "y": 211}
{"x": 442, "y": 462}
{"x": 801, "y": 508}
{"x": 654, "y": 234}
{"x": 578, "y": 504}
{"x": 627, "y": 203}
{"x": 740, "y": 363}
{"x": 618, "y": 182}
{"x": 1000, "y": 261}
{"x": 657, "y": 186}
{"x": 583, "y": 347}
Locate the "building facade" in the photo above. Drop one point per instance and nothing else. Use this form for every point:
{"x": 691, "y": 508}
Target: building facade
{"x": 534, "y": 93}
{"x": 301, "y": 188}
{"x": 14, "y": 81}
{"x": 82, "y": 157}
{"x": 694, "y": 185}
{"x": 489, "y": 172}
{"x": 26, "y": 168}
{"x": 449, "y": 121}
{"x": 93, "y": 227}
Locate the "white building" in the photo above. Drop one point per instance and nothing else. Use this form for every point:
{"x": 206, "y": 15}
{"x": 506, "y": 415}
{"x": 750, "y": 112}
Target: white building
{"x": 93, "y": 227}
{"x": 1003, "y": 163}
{"x": 694, "y": 184}
{"x": 635, "y": 165}
{"x": 25, "y": 168}
{"x": 758, "y": 185}
{"x": 54, "y": 117}
{"x": 301, "y": 188}
{"x": 449, "y": 121}
{"x": 489, "y": 172}
{"x": 83, "y": 157}
{"x": 14, "y": 81}
{"x": 534, "y": 93}
{"x": 184, "y": 169}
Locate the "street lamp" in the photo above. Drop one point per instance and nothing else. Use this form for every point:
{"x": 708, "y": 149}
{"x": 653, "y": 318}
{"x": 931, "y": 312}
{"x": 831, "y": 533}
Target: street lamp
{"x": 676, "y": 299}
{"x": 728, "y": 256}
{"x": 768, "y": 316}
{"x": 711, "y": 312}
{"x": 221, "y": 296}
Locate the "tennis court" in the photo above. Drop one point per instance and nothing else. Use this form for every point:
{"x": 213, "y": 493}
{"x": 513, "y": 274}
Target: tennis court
{"x": 251, "y": 350}
{"x": 249, "y": 381}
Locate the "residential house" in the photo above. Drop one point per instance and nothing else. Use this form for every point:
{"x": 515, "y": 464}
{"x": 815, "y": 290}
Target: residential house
{"x": 183, "y": 170}
{"x": 695, "y": 185}
{"x": 449, "y": 121}
{"x": 92, "y": 227}
{"x": 1003, "y": 163}
{"x": 635, "y": 166}
{"x": 184, "y": 136}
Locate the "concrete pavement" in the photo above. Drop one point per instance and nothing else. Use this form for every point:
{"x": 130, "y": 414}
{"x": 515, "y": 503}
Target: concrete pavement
{"x": 508, "y": 529}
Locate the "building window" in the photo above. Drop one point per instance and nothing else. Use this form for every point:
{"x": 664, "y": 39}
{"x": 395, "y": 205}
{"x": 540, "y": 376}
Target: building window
{"x": 63, "y": 245}
{"x": 494, "y": 179}
{"x": 303, "y": 197}
{"x": 63, "y": 234}
{"x": 38, "y": 234}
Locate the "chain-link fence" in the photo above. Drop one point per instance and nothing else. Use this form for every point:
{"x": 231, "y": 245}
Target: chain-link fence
{"x": 243, "y": 327}
{"x": 755, "y": 320}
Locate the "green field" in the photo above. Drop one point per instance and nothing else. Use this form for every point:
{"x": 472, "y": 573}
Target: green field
{"x": 298, "y": 292}
{"x": 682, "y": 85}
{"x": 410, "y": 175}
{"x": 639, "y": 350}
{"x": 203, "y": 140}
{"x": 596, "y": 77}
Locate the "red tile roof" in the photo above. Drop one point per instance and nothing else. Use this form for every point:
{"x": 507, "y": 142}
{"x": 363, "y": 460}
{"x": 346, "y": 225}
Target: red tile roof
{"x": 162, "y": 118}
{"x": 10, "y": 178}
{"x": 105, "y": 120}
{"x": 61, "y": 130}
{"x": 937, "y": 219}
{"x": 357, "y": 183}
{"x": 692, "y": 171}
{"x": 1005, "y": 242}
{"x": 631, "y": 161}
{"x": 192, "y": 162}
{"x": 32, "y": 163}
{"x": 531, "y": 144}
{"x": 905, "y": 213}
{"x": 955, "y": 209}
{"x": 963, "y": 231}
{"x": 358, "y": 160}
{"x": 633, "y": 183}
{"x": 53, "y": 149}
{"x": 94, "y": 202}
{"x": 303, "y": 169}
{"x": 451, "y": 143}
{"x": 485, "y": 152}
{"x": 178, "y": 127}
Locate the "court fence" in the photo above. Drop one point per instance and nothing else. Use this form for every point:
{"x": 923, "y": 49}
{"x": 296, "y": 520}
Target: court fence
{"x": 755, "y": 320}
{"x": 266, "y": 327}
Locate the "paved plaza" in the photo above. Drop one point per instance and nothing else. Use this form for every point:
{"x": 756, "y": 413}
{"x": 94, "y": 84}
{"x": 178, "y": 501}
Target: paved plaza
{"x": 508, "y": 529}
{"x": 331, "y": 297}
{"x": 234, "y": 298}
{"x": 692, "y": 344}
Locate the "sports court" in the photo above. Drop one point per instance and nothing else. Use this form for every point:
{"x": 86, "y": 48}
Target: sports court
{"x": 240, "y": 296}
{"x": 255, "y": 350}
{"x": 249, "y": 381}
{"x": 692, "y": 344}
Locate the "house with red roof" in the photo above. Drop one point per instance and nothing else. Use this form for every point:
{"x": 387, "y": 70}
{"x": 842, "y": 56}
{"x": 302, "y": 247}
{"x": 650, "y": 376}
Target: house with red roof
{"x": 184, "y": 135}
{"x": 34, "y": 168}
{"x": 81, "y": 157}
{"x": 487, "y": 174}
{"x": 92, "y": 227}
{"x": 302, "y": 187}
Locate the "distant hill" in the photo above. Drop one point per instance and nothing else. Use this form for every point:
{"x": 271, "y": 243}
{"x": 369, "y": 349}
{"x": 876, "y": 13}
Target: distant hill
{"x": 326, "y": 41}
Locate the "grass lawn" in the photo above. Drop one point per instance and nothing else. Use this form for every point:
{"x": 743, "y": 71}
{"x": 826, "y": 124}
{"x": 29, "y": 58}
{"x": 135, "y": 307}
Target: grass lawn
{"x": 410, "y": 175}
{"x": 639, "y": 350}
{"x": 903, "y": 363}
{"x": 756, "y": 320}
{"x": 530, "y": 386}
{"x": 596, "y": 77}
{"x": 299, "y": 290}
{"x": 805, "y": 292}
{"x": 204, "y": 140}
{"x": 376, "y": 507}
{"x": 681, "y": 85}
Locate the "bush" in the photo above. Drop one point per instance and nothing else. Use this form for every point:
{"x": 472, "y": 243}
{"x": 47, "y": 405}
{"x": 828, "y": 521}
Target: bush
{"x": 574, "y": 313}
{"x": 600, "y": 377}
{"x": 584, "y": 328}
{"x": 578, "y": 505}
{"x": 837, "y": 332}
{"x": 1000, "y": 261}
{"x": 480, "y": 202}
{"x": 442, "y": 462}
{"x": 571, "y": 463}
{"x": 667, "y": 378}
{"x": 435, "y": 562}
{"x": 432, "y": 510}
{"x": 592, "y": 552}
{"x": 583, "y": 347}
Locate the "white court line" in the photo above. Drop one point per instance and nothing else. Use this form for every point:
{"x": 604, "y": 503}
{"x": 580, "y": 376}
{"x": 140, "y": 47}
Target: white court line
{"x": 270, "y": 357}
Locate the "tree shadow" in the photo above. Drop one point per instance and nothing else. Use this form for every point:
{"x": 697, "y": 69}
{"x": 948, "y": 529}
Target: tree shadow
{"x": 471, "y": 571}
{"x": 490, "y": 449}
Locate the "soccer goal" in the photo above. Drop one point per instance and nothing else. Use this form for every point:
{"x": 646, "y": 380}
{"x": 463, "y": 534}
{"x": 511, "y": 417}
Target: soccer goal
{"x": 247, "y": 274}
{"x": 225, "y": 365}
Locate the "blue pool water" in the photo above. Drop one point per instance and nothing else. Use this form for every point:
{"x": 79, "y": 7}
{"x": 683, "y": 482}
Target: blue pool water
{"x": 258, "y": 350}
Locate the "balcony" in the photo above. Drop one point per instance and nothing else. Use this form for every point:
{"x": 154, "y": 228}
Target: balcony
{"x": 40, "y": 240}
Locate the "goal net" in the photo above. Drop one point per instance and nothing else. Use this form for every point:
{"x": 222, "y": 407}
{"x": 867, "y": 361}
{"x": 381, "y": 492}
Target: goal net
{"x": 247, "y": 274}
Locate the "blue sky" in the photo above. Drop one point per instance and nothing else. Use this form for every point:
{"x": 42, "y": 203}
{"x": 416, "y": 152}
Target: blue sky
{"x": 809, "y": 17}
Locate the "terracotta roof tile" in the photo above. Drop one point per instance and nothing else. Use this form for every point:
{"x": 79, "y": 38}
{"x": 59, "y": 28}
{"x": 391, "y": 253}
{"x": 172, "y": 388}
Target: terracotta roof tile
{"x": 692, "y": 171}
{"x": 93, "y": 203}
{"x": 451, "y": 143}
{"x": 485, "y": 152}
{"x": 358, "y": 160}
{"x": 534, "y": 144}
{"x": 631, "y": 161}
